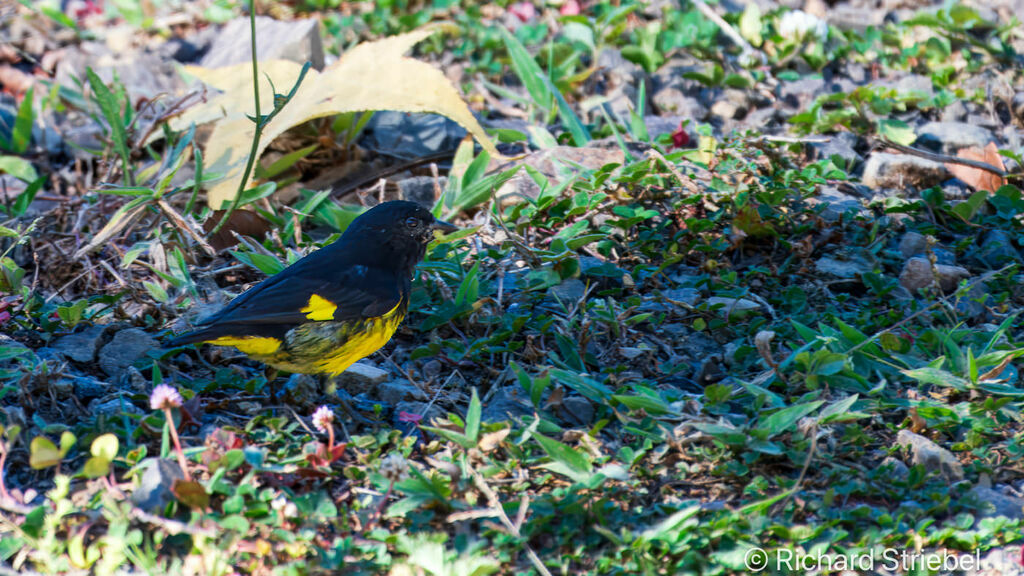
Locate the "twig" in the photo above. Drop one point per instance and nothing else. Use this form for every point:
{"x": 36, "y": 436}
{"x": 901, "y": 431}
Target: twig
{"x": 728, "y": 30}
{"x": 803, "y": 472}
{"x": 495, "y": 503}
{"x": 687, "y": 182}
{"x": 261, "y": 121}
{"x": 935, "y": 156}
{"x": 796, "y": 139}
{"x": 172, "y": 526}
{"x": 187, "y": 226}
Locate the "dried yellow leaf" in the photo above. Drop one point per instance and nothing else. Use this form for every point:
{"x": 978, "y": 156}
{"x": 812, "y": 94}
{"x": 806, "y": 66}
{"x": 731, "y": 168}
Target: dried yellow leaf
{"x": 371, "y": 76}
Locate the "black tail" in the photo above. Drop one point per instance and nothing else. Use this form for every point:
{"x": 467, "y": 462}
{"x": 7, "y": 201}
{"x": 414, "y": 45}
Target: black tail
{"x": 194, "y": 337}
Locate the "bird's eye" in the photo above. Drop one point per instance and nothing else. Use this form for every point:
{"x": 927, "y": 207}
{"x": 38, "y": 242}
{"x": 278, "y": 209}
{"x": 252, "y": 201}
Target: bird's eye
{"x": 412, "y": 222}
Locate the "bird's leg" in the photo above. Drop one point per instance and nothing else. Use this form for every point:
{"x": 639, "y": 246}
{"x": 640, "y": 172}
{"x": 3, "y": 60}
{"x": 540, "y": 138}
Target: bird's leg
{"x": 271, "y": 375}
{"x": 344, "y": 400}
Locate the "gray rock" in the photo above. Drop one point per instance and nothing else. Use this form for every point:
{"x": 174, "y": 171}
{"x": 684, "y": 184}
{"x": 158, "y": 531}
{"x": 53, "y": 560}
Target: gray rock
{"x": 111, "y": 407}
{"x": 799, "y": 93}
{"x": 855, "y": 16}
{"x": 918, "y": 273}
{"x": 693, "y": 345}
{"x": 632, "y": 353}
{"x": 997, "y": 249}
{"x": 405, "y": 135}
{"x": 427, "y": 410}
{"x": 955, "y": 112}
{"x": 124, "y": 349}
{"x": 300, "y": 390}
{"x": 912, "y": 244}
{"x": 729, "y": 306}
{"x": 993, "y": 502}
{"x": 931, "y": 456}
{"x": 836, "y": 203}
{"x": 689, "y": 296}
{"x": 951, "y": 137}
{"x": 671, "y": 100}
{"x": 896, "y": 467}
{"x": 972, "y": 305}
{"x": 886, "y": 170}
{"x": 87, "y": 387}
{"x": 728, "y": 110}
{"x": 295, "y": 40}
{"x": 578, "y": 410}
{"x": 362, "y": 374}
{"x": 505, "y": 403}
{"x": 1018, "y": 106}
{"x": 144, "y": 73}
{"x": 846, "y": 269}
{"x": 841, "y": 145}
{"x": 568, "y": 292}
{"x": 153, "y": 493}
{"x": 81, "y": 346}
{"x": 616, "y": 70}
{"x": 1001, "y": 560}
{"x": 395, "y": 392}
{"x": 421, "y": 189}
{"x": 915, "y": 83}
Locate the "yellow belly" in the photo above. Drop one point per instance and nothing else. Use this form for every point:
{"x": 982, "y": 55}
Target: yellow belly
{"x": 320, "y": 347}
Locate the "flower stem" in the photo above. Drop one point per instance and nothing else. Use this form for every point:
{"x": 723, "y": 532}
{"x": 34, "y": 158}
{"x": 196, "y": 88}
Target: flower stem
{"x": 177, "y": 444}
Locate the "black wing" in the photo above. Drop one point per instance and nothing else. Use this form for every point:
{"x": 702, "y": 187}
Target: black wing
{"x": 274, "y": 306}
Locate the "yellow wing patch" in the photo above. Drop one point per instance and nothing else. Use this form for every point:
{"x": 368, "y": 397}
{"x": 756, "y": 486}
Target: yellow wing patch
{"x": 319, "y": 308}
{"x": 257, "y": 345}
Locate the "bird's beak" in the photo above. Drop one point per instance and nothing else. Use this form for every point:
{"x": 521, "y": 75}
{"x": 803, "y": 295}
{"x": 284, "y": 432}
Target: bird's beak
{"x": 444, "y": 227}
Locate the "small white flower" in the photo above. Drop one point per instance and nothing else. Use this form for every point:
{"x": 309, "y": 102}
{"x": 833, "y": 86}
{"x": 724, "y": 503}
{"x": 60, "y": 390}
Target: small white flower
{"x": 797, "y": 25}
{"x": 164, "y": 396}
{"x": 285, "y": 507}
{"x": 322, "y": 418}
{"x": 394, "y": 467}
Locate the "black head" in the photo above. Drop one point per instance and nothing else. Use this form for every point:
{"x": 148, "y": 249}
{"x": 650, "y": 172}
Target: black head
{"x": 398, "y": 228}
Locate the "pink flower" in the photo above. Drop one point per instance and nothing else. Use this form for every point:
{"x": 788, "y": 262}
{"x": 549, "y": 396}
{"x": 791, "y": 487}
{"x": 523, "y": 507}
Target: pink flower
{"x": 570, "y": 8}
{"x": 680, "y": 139}
{"x": 164, "y": 397}
{"x": 322, "y": 418}
{"x": 409, "y": 417}
{"x": 525, "y": 11}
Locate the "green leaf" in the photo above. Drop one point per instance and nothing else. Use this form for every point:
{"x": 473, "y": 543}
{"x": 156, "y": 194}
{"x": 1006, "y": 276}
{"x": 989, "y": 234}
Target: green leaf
{"x": 43, "y": 453}
{"x": 650, "y": 405}
{"x": 22, "y": 202}
{"x": 18, "y": 167}
{"x": 284, "y": 162}
{"x": 564, "y": 455}
{"x": 96, "y": 467}
{"x": 839, "y": 411}
{"x": 937, "y": 377}
{"x": 473, "y": 418}
{"x": 191, "y": 494}
{"x": 105, "y": 446}
{"x": 785, "y": 419}
{"x": 896, "y": 131}
{"x": 527, "y": 70}
{"x": 967, "y": 210}
{"x": 110, "y": 107}
{"x": 21, "y": 136}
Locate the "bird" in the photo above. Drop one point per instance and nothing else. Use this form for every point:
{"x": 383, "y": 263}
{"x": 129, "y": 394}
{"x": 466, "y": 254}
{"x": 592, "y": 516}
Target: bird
{"x": 336, "y": 305}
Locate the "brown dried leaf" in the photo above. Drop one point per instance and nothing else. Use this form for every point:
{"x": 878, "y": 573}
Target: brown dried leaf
{"x": 976, "y": 177}
{"x": 243, "y": 222}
